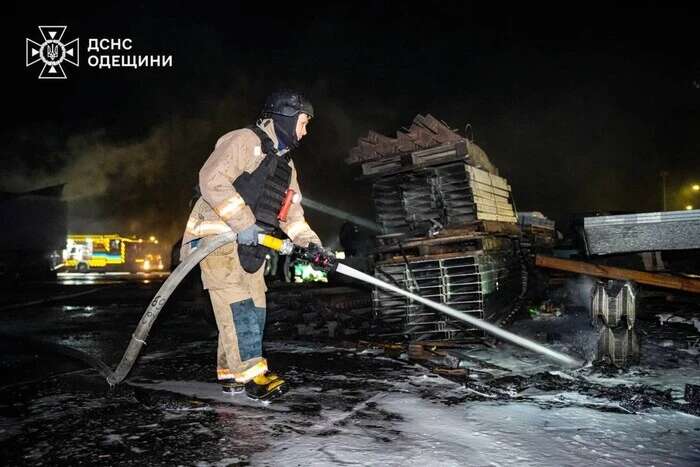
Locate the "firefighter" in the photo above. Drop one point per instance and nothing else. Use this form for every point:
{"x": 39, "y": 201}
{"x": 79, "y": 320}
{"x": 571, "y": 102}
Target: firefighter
{"x": 243, "y": 184}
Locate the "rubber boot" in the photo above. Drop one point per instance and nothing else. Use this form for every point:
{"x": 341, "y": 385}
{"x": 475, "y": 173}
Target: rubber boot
{"x": 265, "y": 387}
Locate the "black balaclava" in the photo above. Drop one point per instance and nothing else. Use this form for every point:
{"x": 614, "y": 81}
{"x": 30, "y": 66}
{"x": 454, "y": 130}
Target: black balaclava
{"x": 284, "y": 108}
{"x": 286, "y": 131}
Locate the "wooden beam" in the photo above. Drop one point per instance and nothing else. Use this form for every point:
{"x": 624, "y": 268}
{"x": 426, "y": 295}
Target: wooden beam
{"x": 667, "y": 281}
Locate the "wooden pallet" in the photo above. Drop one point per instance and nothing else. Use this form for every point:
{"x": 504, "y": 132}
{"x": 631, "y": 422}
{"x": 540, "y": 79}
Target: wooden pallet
{"x": 478, "y": 236}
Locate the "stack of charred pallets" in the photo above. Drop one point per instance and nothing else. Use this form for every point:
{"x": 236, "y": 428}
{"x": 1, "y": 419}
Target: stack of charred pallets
{"x": 429, "y": 175}
{"x": 449, "y": 228}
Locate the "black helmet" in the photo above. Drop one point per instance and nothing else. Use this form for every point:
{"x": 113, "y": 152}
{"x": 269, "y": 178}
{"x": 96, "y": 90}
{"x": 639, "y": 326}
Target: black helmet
{"x": 288, "y": 104}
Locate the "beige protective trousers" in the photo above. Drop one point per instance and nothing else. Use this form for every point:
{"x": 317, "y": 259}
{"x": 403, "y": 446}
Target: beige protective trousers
{"x": 240, "y": 317}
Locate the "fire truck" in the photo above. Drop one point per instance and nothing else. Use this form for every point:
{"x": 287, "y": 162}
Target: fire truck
{"x": 111, "y": 252}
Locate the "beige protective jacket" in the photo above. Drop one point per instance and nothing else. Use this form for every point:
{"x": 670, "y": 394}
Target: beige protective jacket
{"x": 221, "y": 209}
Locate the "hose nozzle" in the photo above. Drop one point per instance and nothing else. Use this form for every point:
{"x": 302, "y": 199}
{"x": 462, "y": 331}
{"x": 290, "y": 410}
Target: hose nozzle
{"x": 318, "y": 257}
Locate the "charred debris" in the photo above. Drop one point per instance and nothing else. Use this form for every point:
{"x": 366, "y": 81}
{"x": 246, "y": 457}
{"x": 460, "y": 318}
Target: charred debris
{"x": 450, "y": 233}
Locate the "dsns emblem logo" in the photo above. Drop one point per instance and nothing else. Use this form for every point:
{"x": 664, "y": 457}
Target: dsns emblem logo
{"x": 52, "y": 52}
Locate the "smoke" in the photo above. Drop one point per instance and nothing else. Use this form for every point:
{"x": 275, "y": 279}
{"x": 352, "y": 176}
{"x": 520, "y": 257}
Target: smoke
{"x": 582, "y": 335}
{"x": 578, "y": 291}
{"x": 340, "y": 214}
{"x": 138, "y": 187}
{"x": 143, "y": 184}
{"x": 98, "y": 168}
{"x": 323, "y": 174}
{"x": 139, "y": 178}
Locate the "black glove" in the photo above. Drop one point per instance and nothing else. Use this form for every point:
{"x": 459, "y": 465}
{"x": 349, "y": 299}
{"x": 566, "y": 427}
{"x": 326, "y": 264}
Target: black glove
{"x": 249, "y": 236}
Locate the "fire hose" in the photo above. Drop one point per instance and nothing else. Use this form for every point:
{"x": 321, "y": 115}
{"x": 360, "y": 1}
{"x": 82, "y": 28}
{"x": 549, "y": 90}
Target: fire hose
{"x": 320, "y": 259}
{"x": 138, "y": 338}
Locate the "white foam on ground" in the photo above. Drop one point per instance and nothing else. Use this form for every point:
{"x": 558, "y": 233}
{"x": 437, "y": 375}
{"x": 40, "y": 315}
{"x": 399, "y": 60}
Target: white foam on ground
{"x": 486, "y": 433}
{"x": 551, "y": 428}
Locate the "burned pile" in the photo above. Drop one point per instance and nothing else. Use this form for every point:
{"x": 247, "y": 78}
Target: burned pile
{"x": 430, "y": 174}
{"x": 450, "y": 230}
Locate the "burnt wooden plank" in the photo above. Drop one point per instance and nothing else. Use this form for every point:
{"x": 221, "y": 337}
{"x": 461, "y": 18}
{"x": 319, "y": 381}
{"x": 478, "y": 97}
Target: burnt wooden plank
{"x": 667, "y": 281}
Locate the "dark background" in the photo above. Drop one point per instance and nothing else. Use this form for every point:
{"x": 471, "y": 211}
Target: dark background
{"x": 579, "y": 106}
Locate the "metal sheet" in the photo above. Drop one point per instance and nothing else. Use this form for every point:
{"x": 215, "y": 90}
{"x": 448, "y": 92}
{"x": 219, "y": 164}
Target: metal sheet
{"x": 654, "y": 231}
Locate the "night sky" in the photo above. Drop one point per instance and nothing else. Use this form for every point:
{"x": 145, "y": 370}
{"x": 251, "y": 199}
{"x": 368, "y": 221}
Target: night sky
{"x": 580, "y": 107}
